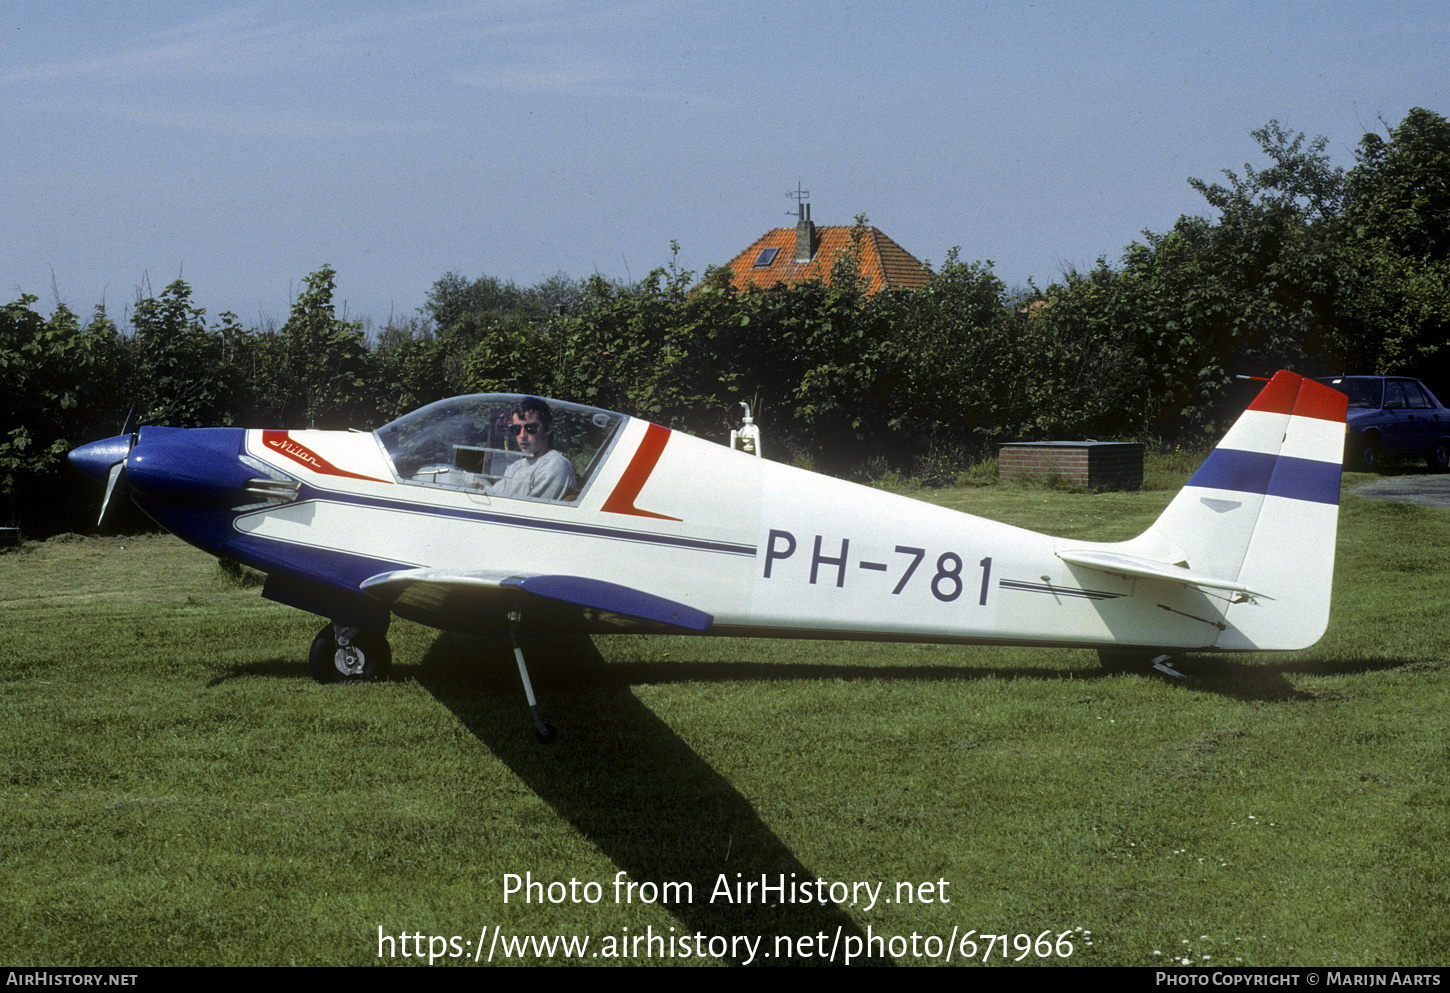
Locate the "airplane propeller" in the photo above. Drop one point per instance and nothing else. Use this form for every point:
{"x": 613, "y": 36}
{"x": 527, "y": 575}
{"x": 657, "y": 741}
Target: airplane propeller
{"x": 105, "y": 461}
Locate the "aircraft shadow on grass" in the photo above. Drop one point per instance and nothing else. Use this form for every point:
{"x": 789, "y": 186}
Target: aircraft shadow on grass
{"x": 655, "y": 809}
{"x": 628, "y": 783}
{"x": 490, "y": 668}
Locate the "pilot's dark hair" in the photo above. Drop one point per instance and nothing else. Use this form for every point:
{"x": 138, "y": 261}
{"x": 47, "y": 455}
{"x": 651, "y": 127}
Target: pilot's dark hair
{"x": 535, "y": 406}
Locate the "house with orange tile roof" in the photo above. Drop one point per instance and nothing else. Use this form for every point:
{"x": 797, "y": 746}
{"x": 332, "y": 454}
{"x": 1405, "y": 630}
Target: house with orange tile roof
{"x": 806, "y": 252}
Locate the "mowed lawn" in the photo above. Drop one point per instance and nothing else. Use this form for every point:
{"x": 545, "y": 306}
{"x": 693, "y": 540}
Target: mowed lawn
{"x": 175, "y": 789}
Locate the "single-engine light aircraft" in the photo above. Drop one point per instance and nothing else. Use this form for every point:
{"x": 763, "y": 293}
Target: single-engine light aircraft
{"x": 498, "y": 514}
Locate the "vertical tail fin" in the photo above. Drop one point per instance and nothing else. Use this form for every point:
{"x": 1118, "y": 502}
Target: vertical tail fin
{"x": 1262, "y": 511}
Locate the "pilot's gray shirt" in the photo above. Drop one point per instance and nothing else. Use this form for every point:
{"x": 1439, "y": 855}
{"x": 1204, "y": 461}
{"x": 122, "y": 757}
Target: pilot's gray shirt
{"x": 547, "y": 477}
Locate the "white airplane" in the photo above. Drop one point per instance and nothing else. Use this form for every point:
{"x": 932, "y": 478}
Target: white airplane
{"x": 653, "y": 530}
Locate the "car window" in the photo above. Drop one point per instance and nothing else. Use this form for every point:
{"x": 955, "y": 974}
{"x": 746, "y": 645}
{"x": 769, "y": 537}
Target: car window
{"x": 1394, "y": 396}
{"x": 1362, "y": 393}
{"x": 1415, "y": 397}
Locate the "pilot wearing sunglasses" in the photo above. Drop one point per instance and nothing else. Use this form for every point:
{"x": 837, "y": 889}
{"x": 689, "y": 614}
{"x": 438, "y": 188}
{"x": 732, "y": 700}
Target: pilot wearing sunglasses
{"x": 543, "y": 473}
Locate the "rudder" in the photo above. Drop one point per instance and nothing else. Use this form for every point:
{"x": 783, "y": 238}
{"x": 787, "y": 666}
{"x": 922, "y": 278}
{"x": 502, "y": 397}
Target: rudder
{"x": 1291, "y": 554}
{"x": 1263, "y": 509}
{"x": 1255, "y": 526}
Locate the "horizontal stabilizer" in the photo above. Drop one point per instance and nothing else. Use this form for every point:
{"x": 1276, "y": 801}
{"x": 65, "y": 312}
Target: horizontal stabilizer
{"x": 1118, "y": 564}
{"x": 436, "y": 595}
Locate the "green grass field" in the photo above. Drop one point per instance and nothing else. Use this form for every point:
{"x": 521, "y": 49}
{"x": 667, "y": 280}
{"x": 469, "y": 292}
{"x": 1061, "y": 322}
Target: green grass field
{"x": 174, "y": 789}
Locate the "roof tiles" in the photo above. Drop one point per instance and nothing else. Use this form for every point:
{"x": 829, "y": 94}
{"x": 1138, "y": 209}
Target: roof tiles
{"x": 884, "y": 263}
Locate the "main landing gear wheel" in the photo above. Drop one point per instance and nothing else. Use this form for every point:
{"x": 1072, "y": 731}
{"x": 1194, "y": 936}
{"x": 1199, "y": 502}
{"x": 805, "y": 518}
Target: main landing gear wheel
{"x": 342, "y": 654}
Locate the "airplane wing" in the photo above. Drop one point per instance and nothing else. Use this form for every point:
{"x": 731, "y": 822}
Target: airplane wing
{"x": 479, "y": 600}
{"x": 1118, "y": 564}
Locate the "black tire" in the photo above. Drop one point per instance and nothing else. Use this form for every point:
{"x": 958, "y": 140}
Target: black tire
{"x": 1367, "y": 455}
{"x": 1439, "y": 459}
{"x": 376, "y": 653}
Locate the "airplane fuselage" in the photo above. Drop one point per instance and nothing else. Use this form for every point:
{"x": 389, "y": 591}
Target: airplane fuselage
{"x": 660, "y": 530}
{"x": 764, "y": 548}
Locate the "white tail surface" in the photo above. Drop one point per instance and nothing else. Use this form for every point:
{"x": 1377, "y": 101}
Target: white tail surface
{"x": 1260, "y": 516}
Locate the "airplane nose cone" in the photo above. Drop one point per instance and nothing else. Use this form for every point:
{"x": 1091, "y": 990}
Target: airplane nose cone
{"x": 96, "y": 459}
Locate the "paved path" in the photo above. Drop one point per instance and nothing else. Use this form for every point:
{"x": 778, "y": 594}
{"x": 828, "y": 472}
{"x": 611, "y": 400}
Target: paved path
{"x": 1425, "y": 489}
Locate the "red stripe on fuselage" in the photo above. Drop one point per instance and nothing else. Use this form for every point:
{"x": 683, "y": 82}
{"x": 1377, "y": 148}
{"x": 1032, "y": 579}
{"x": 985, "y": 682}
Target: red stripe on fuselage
{"x": 302, "y": 455}
{"x": 637, "y": 473}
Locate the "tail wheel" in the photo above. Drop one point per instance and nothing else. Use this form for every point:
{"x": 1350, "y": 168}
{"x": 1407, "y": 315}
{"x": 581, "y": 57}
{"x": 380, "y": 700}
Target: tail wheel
{"x": 365, "y": 658}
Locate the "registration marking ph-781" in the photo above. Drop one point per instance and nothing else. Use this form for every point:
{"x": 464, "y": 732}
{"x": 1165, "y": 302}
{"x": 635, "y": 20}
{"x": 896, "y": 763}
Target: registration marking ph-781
{"x": 946, "y": 583}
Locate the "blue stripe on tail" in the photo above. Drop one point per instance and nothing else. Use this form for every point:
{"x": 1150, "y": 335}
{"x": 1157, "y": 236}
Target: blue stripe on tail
{"x": 1271, "y": 475}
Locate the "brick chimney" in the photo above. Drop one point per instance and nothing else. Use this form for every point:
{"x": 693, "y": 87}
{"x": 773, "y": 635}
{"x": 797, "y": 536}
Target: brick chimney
{"x": 805, "y": 234}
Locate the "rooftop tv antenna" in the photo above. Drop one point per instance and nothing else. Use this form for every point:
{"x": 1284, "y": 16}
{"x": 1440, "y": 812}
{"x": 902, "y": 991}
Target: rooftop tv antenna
{"x": 799, "y": 195}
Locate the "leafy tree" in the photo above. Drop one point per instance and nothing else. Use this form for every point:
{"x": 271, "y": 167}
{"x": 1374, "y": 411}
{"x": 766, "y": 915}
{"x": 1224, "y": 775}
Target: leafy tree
{"x": 1258, "y": 289}
{"x": 557, "y": 296}
{"x": 453, "y": 297}
{"x": 58, "y": 386}
{"x": 626, "y": 349}
{"x": 409, "y": 360}
{"x": 494, "y": 335}
{"x": 185, "y": 374}
{"x": 315, "y": 371}
{"x": 1400, "y": 190}
{"x": 510, "y": 355}
{"x": 1301, "y": 183}
{"x": 1081, "y": 370}
{"x": 1397, "y": 222}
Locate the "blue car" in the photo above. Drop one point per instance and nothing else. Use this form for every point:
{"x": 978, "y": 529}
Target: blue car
{"x": 1392, "y": 418}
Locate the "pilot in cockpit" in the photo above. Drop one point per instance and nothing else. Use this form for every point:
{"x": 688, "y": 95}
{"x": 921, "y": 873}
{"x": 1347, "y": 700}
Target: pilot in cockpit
{"x": 544, "y": 472}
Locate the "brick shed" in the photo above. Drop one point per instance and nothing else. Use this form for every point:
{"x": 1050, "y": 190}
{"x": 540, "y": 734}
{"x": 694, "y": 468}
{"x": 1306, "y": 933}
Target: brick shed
{"x": 1100, "y": 465}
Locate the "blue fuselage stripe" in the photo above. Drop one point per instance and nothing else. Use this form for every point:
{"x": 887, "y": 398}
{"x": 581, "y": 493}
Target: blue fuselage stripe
{"x": 510, "y": 520}
{"x": 1271, "y": 475}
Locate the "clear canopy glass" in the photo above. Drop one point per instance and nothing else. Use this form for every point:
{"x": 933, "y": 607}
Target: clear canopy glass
{"x": 464, "y": 442}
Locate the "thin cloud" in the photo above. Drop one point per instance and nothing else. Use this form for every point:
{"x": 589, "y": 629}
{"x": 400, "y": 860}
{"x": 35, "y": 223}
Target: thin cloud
{"x": 259, "y": 123}
{"x": 578, "y": 74}
{"x": 228, "y": 42}
{"x": 240, "y": 41}
{"x": 253, "y": 39}
{"x": 550, "y": 73}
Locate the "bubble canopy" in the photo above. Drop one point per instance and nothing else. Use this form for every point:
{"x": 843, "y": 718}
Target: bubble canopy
{"x": 464, "y": 442}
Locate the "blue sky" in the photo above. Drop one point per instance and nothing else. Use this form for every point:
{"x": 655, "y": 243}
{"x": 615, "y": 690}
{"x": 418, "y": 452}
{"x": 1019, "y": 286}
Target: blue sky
{"x": 243, "y": 146}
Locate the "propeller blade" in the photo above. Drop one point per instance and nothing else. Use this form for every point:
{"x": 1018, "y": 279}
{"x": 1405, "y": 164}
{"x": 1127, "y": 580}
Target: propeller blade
{"x": 116, "y": 479}
{"x": 105, "y": 460}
